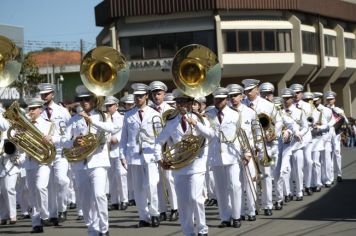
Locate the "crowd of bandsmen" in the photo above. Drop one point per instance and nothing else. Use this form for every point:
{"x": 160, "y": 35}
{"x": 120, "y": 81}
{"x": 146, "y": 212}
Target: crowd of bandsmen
{"x": 299, "y": 154}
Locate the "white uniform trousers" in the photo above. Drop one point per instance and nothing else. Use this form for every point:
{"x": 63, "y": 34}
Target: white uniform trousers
{"x": 167, "y": 184}
{"x": 23, "y": 194}
{"x": 248, "y": 187}
{"x": 316, "y": 170}
{"x": 129, "y": 183}
{"x": 210, "y": 184}
{"x": 58, "y": 187}
{"x": 38, "y": 180}
{"x": 191, "y": 203}
{"x": 71, "y": 196}
{"x": 326, "y": 174}
{"x": 228, "y": 191}
{"x": 267, "y": 188}
{"x": 308, "y": 164}
{"x": 94, "y": 203}
{"x": 144, "y": 182}
{"x": 337, "y": 165}
{"x": 118, "y": 182}
{"x": 281, "y": 177}
{"x": 8, "y": 197}
{"x": 297, "y": 161}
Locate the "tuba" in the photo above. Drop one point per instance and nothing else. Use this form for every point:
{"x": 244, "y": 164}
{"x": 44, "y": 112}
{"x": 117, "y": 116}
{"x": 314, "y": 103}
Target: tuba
{"x": 104, "y": 72}
{"x": 196, "y": 72}
{"x": 9, "y": 67}
{"x": 27, "y": 137}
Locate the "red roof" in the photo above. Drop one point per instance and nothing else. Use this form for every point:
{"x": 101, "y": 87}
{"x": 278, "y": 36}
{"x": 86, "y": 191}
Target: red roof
{"x": 57, "y": 58}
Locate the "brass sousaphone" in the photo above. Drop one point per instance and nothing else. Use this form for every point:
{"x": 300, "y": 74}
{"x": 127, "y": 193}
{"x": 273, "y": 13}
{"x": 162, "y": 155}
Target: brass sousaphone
{"x": 197, "y": 73}
{"x": 9, "y": 67}
{"x": 104, "y": 72}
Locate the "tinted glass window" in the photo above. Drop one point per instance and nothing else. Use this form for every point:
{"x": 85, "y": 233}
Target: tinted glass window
{"x": 243, "y": 41}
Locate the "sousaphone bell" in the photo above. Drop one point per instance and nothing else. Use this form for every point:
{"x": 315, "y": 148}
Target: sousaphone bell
{"x": 104, "y": 71}
{"x": 196, "y": 70}
{"x": 9, "y": 67}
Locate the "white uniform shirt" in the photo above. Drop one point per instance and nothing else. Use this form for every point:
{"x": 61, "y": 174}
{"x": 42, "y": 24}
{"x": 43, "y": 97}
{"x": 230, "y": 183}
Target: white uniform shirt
{"x": 173, "y": 131}
{"x": 77, "y": 126}
{"x": 137, "y": 137}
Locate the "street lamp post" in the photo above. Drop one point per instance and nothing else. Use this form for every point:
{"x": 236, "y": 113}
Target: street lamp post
{"x": 59, "y": 88}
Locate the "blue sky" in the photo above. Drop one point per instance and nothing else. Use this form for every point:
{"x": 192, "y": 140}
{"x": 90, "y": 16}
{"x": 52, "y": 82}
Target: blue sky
{"x": 52, "y": 20}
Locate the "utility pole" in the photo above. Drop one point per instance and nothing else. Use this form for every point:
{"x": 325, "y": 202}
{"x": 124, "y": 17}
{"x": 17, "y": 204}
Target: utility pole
{"x": 81, "y": 49}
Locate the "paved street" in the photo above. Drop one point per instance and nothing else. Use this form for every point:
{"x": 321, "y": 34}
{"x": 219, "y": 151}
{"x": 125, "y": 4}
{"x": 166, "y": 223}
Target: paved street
{"x": 330, "y": 212}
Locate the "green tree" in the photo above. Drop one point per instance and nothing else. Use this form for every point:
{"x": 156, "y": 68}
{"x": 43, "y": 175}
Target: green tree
{"x": 29, "y": 77}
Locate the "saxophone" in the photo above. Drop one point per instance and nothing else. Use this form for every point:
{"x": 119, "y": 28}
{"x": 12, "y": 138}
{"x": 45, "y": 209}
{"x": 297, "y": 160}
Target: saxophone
{"x": 26, "y": 136}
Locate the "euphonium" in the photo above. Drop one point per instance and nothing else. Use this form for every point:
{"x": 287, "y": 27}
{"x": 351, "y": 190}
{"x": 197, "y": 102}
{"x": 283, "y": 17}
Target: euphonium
{"x": 267, "y": 126}
{"x": 27, "y": 137}
{"x": 91, "y": 143}
{"x": 184, "y": 152}
{"x": 259, "y": 141}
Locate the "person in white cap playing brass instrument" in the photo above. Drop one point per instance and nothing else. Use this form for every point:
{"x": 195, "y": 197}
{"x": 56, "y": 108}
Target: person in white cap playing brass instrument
{"x": 136, "y": 146}
{"x": 158, "y": 92}
{"x": 90, "y": 171}
{"x": 189, "y": 179}
{"x": 59, "y": 182}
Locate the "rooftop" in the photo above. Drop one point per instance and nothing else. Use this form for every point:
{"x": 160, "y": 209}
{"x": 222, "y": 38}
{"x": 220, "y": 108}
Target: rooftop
{"x": 57, "y": 58}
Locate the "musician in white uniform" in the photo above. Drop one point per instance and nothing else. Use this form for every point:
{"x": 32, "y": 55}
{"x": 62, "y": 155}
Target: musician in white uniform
{"x": 158, "y": 92}
{"x": 260, "y": 105}
{"x": 307, "y": 138}
{"x": 38, "y": 174}
{"x": 189, "y": 180}
{"x": 248, "y": 172}
{"x": 339, "y": 115}
{"x": 59, "y": 181}
{"x": 169, "y": 99}
{"x": 225, "y": 156}
{"x": 118, "y": 167}
{"x": 325, "y": 156}
{"x": 90, "y": 171}
{"x": 9, "y": 170}
{"x": 137, "y": 139}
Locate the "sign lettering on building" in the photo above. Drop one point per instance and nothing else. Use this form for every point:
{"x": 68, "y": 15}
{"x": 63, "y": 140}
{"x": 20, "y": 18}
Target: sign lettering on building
{"x": 150, "y": 64}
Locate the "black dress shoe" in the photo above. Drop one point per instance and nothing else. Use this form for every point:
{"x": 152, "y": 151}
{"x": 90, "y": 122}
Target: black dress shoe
{"x": 251, "y": 218}
{"x": 236, "y": 223}
{"x": 72, "y": 205}
{"x": 3, "y": 222}
{"x": 278, "y": 206}
{"x": 143, "y": 223}
{"x": 132, "y": 202}
{"x": 327, "y": 185}
{"x": 37, "y": 230}
{"x": 12, "y": 222}
{"x": 104, "y": 234}
{"x": 162, "y": 216}
{"x": 299, "y": 198}
{"x": 206, "y": 201}
{"x": 202, "y": 234}
{"x": 46, "y": 222}
{"x": 308, "y": 191}
{"x": 80, "y": 218}
{"x": 268, "y": 212}
{"x": 62, "y": 216}
{"x": 213, "y": 202}
{"x": 174, "y": 215}
{"x": 54, "y": 221}
{"x": 339, "y": 179}
{"x": 114, "y": 206}
{"x": 288, "y": 198}
{"x": 154, "y": 221}
{"x": 22, "y": 217}
{"x": 124, "y": 206}
{"x": 317, "y": 189}
{"x": 224, "y": 224}
{"x": 242, "y": 218}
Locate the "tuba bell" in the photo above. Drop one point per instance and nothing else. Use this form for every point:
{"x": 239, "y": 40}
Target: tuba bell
{"x": 267, "y": 126}
{"x": 9, "y": 67}
{"x": 104, "y": 71}
{"x": 26, "y": 136}
{"x": 196, "y": 72}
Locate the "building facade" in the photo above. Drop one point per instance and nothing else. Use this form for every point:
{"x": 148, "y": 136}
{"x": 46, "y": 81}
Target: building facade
{"x": 311, "y": 42}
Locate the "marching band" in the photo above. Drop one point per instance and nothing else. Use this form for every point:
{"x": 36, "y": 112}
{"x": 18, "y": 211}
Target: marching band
{"x": 173, "y": 151}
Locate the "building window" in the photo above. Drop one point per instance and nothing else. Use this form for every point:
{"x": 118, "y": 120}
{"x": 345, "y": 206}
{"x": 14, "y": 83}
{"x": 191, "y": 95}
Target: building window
{"x": 309, "y": 42}
{"x": 330, "y": 46}
{"x": 350, "y": 48}
{"x": 257, "y": 41}
{"x": 164, "y": 45}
